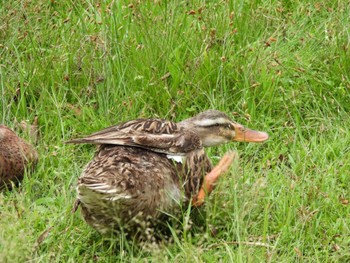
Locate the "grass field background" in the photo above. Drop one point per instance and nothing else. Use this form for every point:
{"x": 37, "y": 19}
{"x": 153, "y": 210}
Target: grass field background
{"x": 278, "y": 66}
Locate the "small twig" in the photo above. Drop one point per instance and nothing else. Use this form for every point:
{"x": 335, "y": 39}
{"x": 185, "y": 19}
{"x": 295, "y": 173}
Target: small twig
{"x": 248, "y": 243}
{"x": 75, "y": 206}
{"x": 42, "y": 237}
{"x": 19, "y": 214}
{"x": 270, "y": 237}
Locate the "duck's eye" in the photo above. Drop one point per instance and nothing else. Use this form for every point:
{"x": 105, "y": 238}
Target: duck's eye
{"x": 229, "y": 126}
{"x": 243, "y": 129}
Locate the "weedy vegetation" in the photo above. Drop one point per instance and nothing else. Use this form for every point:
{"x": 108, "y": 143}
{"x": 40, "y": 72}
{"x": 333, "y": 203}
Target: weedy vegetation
{"x": 278, "y": 66}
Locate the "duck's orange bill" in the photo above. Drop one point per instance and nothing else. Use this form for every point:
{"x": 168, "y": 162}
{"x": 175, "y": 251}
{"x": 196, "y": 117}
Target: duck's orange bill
{"x": 247, "y": 135}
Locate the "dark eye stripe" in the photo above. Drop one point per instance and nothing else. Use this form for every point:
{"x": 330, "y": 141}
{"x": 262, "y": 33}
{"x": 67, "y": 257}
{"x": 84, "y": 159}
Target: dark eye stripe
{"x": 225, "y": 125}
{"x": 213, "y": 125}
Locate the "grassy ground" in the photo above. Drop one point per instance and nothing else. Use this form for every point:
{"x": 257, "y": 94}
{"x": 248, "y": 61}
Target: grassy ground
{"x": 278, "y": 66}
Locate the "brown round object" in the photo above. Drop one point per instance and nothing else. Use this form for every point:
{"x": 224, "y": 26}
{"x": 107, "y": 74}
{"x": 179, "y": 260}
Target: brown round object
{"x": 16, "y": 155}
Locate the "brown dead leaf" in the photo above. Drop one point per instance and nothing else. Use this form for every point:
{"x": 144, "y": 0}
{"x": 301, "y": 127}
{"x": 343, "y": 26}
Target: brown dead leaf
{"x": 167, "y": 75}
{"x": 75, "y": 109}
{"x": 343, "y": 200}
{"x": 32, "y": 129}
{"x": 140, "y": 46}
{"x": 213, "y": 231}
{"x": 17, "y": 94}
{"x": 336, "y": 247}
{"x": 213, "y": 32}
{"x": 256, "y": 84}
{"x": 25, "y": 33}
{"x": 292, "y": 185}
{"x": 281, "y": 157}
{"x": 305, "y": 214}
{"x": 298, "y": 252}
{"x": 93, "y": 38}
{"x": 43, "y": 236}
{"x": 268, "y": 163}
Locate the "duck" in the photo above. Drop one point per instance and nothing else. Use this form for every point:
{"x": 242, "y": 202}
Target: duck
{"x": 145, "y": 170}
{"x": 16, "y": 156}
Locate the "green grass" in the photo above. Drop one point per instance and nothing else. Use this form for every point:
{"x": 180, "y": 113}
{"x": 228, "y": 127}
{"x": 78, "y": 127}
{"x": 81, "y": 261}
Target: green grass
{"x": 278, "y": 66}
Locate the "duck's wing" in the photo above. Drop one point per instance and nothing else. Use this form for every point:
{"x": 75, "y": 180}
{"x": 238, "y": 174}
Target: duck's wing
{"x": 154, "y": 134}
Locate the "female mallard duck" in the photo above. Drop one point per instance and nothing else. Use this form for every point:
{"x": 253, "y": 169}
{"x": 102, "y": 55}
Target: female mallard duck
{"x": 145, "y": 168}
{"x": 15, "y": 156}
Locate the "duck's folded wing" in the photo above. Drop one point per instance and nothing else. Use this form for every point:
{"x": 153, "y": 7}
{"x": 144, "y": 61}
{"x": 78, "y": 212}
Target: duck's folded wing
{"x": 153, "y": 134}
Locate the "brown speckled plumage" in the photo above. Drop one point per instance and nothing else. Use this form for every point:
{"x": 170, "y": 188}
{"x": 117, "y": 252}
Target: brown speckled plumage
{"x": 146, "y": 168}
{"x": 137, "y": 184}
{"x": 15, "y": 156}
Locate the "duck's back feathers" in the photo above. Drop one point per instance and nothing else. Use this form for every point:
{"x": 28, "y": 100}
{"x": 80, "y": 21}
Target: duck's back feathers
{"x": 153, "y": 134}
{"x": 123, "y": 185}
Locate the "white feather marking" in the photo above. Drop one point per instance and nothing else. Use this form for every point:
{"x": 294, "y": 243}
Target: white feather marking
{"x": 177, "y": 158}
{"x": 100, "y": 186}
{"x": 103, "y": 188}
{"x": 118, "y": 197}
{"x": 208, "y": 122}
{"x": 174, "y": 193}
{"x": 111, "y": 191}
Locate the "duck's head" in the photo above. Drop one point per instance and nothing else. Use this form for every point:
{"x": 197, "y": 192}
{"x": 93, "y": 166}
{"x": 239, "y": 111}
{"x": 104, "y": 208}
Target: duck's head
{"x": 215, "y": 128}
